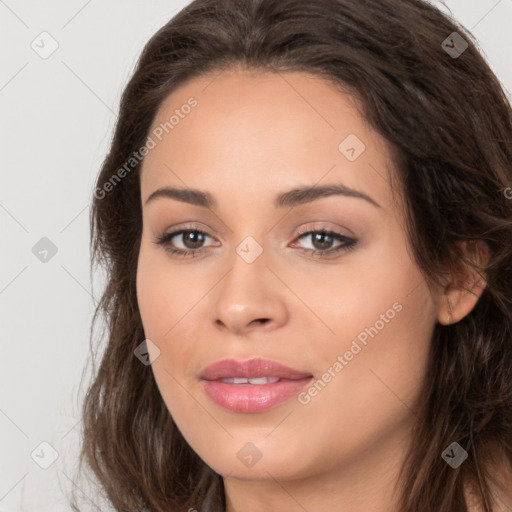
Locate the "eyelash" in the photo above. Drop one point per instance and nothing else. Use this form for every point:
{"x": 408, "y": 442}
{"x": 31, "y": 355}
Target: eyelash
{"x": 164, "y": 240}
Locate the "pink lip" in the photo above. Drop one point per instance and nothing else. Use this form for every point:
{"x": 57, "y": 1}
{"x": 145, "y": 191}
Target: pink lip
{"x": 252, "y": 368}
{"x": 252, "y": 397}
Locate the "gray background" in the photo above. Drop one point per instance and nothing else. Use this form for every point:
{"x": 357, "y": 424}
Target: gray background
{"x": 58, "y": 114}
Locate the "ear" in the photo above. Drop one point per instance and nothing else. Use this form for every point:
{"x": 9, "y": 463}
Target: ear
{"x": 464, "y": 287}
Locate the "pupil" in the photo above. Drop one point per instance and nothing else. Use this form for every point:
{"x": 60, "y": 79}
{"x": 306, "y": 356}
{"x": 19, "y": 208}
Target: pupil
{"x": 327, "y": 242}
{"x": 194, "y": 237}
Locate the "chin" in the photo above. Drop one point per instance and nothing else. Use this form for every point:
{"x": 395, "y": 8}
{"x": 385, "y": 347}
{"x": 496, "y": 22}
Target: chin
{"x": 257, "y": 458}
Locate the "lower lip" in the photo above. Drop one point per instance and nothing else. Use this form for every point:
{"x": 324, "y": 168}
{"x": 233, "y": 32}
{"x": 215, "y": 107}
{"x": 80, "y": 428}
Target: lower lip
{"x": 253, "y": 397}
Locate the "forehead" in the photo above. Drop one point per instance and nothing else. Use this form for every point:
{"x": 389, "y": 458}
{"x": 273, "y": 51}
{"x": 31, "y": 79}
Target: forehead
{"x": 252, "y": 125}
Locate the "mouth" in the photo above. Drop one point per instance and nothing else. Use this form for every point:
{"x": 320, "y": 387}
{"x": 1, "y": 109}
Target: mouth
{"x": 252, "y": 386}
{"x": 255, "y": 380}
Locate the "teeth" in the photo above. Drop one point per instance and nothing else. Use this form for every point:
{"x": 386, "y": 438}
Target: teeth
{"x": 263, "y": 380}
{"x": 256, "y": 380}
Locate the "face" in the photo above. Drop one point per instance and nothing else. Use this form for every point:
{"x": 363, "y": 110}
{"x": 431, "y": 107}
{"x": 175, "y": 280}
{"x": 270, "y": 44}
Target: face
{"x": 320, "y": 280}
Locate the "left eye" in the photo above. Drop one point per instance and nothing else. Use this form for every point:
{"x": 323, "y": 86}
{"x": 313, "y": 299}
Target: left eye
{"x": 322, "y": 241}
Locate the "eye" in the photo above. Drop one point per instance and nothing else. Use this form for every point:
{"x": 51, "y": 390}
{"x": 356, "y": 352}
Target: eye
{"x": 191, "y": 239}
{"x": 322, "y": 241}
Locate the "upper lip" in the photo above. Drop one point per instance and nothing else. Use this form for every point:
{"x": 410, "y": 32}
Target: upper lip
{"x": 252, "y": 368}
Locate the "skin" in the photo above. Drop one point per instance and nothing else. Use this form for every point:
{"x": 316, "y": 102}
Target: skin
{"x": 251, "y": 137}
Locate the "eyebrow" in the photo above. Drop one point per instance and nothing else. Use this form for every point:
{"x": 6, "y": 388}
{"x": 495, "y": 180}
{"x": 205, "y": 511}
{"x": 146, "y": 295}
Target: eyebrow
{"x": 186, "y": 195}
{"x": 293, "y": 197}
{"x": 308, "y": 194}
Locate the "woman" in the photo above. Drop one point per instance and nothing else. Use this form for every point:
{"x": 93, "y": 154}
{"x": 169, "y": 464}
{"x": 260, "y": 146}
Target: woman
{"x": 306, "y": 227}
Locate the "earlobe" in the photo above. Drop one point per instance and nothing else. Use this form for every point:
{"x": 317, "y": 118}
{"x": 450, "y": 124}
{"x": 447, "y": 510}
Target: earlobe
{"x": 459, "y": 302}
{"x": 448, "y": 315}
{"x": 461, "y": 294}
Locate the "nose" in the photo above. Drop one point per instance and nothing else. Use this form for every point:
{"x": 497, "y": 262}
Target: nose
{"x": 249, "y": 298}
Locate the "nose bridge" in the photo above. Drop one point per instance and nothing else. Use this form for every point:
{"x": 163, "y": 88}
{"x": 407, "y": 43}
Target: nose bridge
{"x": 247, "y": 293}
{"x": 247, "y": 277}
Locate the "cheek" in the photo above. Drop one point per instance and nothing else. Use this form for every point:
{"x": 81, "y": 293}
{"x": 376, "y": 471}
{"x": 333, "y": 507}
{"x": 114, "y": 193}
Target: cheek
{"x": 147, "y": 296}
{"x": 160, "y": 283}
{"x": 374, "y": 393}
{"x": 162, "y": 302}
{"x": 385, "y": 355}
{"x": 168, "y": 306}
{"x": 383, "y": 316}
{"x": 377, "y": 280}
{"x": 156, "y": 293}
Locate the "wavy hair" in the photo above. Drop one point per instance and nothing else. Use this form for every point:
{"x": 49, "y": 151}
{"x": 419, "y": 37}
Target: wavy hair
{"x": 448, "y": 123}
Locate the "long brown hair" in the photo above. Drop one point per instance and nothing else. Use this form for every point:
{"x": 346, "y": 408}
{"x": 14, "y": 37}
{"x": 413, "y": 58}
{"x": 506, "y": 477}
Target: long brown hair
{"x": 449, "y": 125}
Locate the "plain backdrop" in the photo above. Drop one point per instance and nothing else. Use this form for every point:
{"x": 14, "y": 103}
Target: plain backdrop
{"x": 58, "y": 113}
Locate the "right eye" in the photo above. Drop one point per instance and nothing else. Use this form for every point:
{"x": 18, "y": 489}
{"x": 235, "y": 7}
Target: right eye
{"x": 192, "y": 239}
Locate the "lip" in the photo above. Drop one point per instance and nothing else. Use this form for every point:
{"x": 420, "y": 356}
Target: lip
{"x": 250, "y": 398}
{"x": 251, "y": 368}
